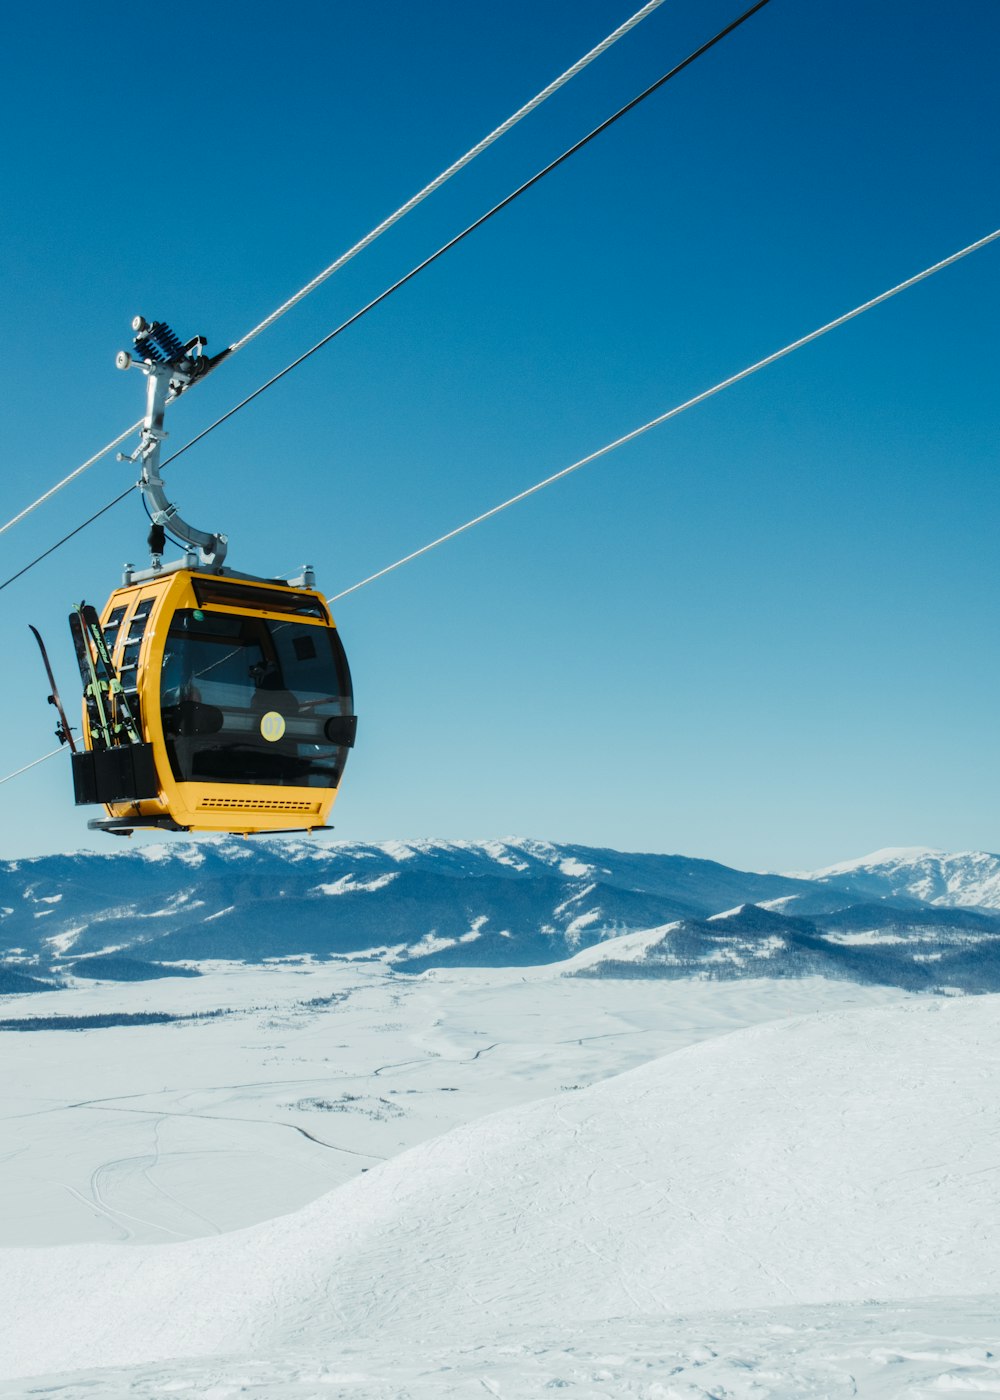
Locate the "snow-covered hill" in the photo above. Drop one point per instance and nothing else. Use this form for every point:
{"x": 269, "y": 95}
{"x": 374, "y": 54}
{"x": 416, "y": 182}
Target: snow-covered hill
{"x": 964, "y": 879}
{"x": 920, "y": 949}
{"x": 155, "y": 1111}
{"x": 841, "y": 1157}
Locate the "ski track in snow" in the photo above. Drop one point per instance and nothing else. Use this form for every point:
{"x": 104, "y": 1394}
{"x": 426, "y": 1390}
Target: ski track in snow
{"x": 233, "y": 1118}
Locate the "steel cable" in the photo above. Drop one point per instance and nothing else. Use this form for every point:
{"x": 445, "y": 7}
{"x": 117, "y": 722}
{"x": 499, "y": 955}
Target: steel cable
{"x": 375, "y": 233}
{"x": 673, "y": 412}
{"x": 425, "y": 263}
{"x": 471, "y": 228}
{"x": 33, "y": 764}
{"x": 59, "y": 543}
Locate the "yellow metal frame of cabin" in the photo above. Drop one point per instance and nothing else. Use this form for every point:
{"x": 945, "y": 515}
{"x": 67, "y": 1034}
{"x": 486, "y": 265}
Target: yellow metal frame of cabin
{"x": 243, "y": 808}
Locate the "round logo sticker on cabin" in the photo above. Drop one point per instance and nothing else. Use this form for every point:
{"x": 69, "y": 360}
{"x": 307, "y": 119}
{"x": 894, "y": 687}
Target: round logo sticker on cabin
{"x": 272, "y": 726}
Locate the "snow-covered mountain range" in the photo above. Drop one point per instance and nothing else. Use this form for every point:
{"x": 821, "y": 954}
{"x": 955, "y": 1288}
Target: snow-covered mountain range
{"x": 910, "y": 918}
{"x": 966, "y": 879}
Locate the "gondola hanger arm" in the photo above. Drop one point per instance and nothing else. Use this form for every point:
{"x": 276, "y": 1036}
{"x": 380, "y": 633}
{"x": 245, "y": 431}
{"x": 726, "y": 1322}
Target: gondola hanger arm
{"x": 170, "y": 368}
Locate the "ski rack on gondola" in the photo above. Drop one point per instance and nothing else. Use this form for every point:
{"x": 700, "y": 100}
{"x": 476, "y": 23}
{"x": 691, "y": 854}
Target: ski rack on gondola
{"x": 117, "y": 766}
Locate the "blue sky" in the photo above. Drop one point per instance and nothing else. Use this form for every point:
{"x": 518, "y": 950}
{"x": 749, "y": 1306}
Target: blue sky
{"x": 766, "y": 632}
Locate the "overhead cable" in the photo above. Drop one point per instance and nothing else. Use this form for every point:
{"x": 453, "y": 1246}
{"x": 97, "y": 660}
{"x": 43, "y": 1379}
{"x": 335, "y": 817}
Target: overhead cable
{"x": 66, "y": 538}
{"x": 375, "y": 233}
{"x": 78, "y": 471}
{"x": 453, "y": 169}
{"x": 471, "y": 228}
{"x": 674, "y": 412}
{"x": 33, "y": 764}
{"x": 425, "y": 263}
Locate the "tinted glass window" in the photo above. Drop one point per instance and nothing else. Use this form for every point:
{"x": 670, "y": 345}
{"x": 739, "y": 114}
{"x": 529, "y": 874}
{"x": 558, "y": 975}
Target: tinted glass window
{"x": 139, "y": 619}
{"x": 250, "y": 700}
{"x": 111, "y": 627}
{"x": 226, "y": 593}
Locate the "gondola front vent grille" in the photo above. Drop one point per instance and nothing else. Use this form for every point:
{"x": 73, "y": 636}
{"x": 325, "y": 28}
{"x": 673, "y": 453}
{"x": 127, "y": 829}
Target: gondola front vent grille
{"x": 244, "y": 804}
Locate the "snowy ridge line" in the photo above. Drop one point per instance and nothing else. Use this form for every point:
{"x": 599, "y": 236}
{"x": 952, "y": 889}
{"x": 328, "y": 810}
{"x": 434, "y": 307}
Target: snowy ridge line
{"x": 946, "y": 951}
{"x": 415, "y": 906}
{"x": 964, "y": 879}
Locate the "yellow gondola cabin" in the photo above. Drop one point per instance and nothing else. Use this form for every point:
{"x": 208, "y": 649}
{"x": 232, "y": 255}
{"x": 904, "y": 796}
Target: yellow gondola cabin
{"x": 241, "y": 695}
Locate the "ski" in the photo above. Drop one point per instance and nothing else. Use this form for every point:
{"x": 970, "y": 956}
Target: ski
{"x": 109, "y": 675}
{"x": 63, "y": 731}
{"x": 115, "y": 766}
{"x": 94, "y": 695}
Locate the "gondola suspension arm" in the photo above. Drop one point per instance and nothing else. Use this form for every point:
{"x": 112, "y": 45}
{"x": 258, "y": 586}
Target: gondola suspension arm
{"x": 170, "y": 368}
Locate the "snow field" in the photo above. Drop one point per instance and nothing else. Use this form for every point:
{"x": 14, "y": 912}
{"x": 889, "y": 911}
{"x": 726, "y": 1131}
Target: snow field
{"x": 835, "y": 1158}
{"x": 920, "y": 1350}
{"x": 154, "y": 1133}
